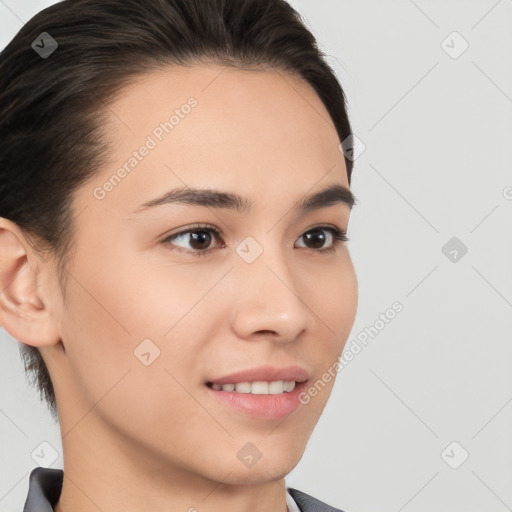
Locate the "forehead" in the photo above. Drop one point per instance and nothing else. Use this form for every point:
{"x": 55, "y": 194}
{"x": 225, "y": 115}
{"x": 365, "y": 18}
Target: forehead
{"x": 220, "y": 127}
{"x": 233, "y": 106}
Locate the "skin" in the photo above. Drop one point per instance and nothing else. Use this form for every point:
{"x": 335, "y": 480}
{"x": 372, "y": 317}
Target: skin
{"x": 151, "y": 432}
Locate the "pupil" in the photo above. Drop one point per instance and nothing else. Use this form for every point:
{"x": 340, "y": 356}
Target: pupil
{"x": 319, "y": 235}
{"x": 201, "y": 238}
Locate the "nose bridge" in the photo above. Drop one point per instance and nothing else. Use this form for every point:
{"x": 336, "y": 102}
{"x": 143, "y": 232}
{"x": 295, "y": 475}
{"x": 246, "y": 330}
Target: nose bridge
{"x": 270, "y": 298}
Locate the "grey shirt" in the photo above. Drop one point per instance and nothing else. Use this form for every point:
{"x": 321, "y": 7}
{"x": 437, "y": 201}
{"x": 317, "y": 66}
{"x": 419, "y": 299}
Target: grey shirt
{"x": 45, "y": 485}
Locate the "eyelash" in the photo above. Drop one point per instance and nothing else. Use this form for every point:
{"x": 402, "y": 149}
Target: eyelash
{"x": 339, "y": 236}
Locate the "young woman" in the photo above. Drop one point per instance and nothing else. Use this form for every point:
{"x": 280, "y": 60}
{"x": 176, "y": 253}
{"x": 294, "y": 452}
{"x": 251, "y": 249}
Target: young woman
{"x": 174, "y": 203}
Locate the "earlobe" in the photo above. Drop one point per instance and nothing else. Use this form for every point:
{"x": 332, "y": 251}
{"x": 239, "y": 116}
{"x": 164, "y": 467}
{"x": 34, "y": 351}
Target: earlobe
{"x": 23, "y": 312}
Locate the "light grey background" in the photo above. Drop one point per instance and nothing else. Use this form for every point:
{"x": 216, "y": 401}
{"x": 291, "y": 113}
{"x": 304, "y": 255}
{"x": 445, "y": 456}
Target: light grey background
{"x": 436, "y": 164}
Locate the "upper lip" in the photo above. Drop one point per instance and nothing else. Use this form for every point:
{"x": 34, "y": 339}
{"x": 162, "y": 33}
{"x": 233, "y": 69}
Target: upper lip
{"x": 266, "y": 373}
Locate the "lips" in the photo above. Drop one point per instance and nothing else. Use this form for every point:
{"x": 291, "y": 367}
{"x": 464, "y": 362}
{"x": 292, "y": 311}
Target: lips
{"x": 258, "y": 406}
{"x": 266, "y": 373}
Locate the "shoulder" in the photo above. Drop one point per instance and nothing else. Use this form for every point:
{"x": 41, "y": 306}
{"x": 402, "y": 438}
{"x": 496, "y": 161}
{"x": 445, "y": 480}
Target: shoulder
{"x": 309, "y": 504}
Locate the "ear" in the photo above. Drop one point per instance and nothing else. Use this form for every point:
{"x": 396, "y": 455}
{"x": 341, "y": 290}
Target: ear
{"x": 24, "y": 303}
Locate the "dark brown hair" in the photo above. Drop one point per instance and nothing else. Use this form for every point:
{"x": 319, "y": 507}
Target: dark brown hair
{"x": 53, "y": 108}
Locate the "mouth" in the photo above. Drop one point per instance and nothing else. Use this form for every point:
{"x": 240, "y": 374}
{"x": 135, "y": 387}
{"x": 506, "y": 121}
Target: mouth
{"x": 264, "y": 400}
{"x": 256, "y": 387}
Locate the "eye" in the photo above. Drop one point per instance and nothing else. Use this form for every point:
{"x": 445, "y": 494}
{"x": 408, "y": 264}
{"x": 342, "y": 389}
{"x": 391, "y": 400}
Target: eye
{"x": 200, "y": 238}
{"x": 317, "y": 237}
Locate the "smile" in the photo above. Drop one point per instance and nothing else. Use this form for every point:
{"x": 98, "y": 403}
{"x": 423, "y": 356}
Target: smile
{"x": 265, "y": 400}
{"x": 256, "y": 388}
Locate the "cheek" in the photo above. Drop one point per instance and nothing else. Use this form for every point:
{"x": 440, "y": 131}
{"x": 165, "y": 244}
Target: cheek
{"x": 121, "y": 363}
{"x": 145, "y": 319}
{"x": 332, "y": 296}
{"x": 332, "y": 299}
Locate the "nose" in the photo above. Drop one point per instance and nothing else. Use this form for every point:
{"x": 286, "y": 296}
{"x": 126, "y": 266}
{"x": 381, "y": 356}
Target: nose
{"x": 270, "y": 301}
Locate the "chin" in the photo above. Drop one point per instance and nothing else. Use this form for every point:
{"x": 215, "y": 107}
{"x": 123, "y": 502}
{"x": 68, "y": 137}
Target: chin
{"x": 259, "y": 474}
{"x": 272, "y": 466}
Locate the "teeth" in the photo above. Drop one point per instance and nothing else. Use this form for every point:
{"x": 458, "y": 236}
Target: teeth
{"x": 274, "y": 388}
{"x": 289, "y": 386}
{"x": 242, "y": 387}
{"x": 258, "y": 387}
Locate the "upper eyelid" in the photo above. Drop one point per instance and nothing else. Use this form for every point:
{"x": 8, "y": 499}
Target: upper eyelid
{"x": 191, "y": 229}
{"x": 217, "y": 231}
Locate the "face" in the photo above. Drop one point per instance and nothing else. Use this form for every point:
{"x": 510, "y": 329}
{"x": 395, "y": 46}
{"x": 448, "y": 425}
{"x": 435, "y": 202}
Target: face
{"x": 162, "y": 300}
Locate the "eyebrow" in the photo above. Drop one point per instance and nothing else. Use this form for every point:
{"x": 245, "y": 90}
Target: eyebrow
{"x": 331, "y": 195}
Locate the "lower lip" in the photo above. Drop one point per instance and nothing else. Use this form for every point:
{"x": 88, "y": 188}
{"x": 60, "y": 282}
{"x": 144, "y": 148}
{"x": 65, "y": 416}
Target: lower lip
{"x": 268, "y": 407}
